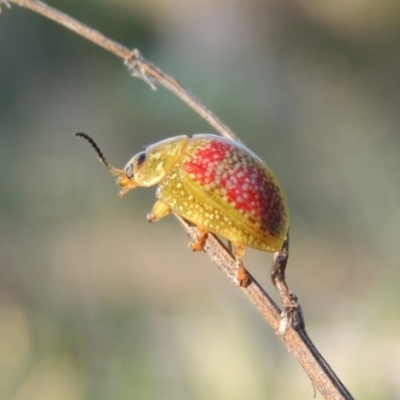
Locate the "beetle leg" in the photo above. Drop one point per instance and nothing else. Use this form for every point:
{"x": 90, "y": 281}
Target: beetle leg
{"x": 198, "y": 244}
{"x": 159, "y": 210}
{"x": 242, "y": 277}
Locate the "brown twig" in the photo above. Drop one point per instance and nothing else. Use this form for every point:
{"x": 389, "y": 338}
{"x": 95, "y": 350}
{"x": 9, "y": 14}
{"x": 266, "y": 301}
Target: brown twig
{"x": 137, "y": 65}
{"x": 289, "y": 323}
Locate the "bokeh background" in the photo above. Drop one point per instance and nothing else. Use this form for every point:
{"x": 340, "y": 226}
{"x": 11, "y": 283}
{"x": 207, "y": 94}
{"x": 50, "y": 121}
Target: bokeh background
{"x": 95, "y": 303}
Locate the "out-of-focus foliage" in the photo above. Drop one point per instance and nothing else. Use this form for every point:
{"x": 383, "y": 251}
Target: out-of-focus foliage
{"x": 97, "y": 304}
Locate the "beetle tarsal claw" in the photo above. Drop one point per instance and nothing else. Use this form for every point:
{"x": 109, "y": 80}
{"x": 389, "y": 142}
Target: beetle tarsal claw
{"x": 198, "y": 244}
{"x": 242, "y": 277}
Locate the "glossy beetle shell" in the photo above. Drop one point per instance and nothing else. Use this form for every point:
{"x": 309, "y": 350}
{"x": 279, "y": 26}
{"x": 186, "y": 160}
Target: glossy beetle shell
{"x": 217, "y": 184}
{"x": 220, "y": 185}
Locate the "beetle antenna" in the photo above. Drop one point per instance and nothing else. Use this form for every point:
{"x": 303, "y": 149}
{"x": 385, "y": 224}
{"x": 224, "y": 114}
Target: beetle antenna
{"x": 100, "y": 155}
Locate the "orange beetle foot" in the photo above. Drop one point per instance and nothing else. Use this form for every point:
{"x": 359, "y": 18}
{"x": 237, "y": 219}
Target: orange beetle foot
{"x": 242, "y": 277}
{"x": 198, "y": 244}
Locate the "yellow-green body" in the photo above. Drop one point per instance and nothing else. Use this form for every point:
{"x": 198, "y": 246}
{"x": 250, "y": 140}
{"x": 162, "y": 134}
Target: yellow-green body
{"x": 215, "y": 183}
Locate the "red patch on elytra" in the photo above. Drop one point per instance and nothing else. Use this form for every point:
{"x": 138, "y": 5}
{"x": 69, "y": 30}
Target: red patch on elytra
{"x": 204, "y": 159}
{"x": 231, "y": 172}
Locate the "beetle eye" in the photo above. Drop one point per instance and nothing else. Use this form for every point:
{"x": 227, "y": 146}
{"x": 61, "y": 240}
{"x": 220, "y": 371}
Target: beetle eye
{"x": 129, "y": 171}
{"x": 141, "y": 158}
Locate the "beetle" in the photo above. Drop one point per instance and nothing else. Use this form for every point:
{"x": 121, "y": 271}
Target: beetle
{"x": 215, "y": 183}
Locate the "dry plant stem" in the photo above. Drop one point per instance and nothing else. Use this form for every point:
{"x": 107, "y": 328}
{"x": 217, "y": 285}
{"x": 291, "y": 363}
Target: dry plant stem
{"x": 278, "y": 273}
{"x": 294, "y": 336}
{"x": 291, "y": 313}
{"x": 148, "y": 71}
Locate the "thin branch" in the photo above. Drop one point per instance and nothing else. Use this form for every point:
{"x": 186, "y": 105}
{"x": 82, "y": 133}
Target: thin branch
{"x": 5, "y": 3}
{"x": 289, "y": 324}
{"x": 137, "y": 65}
{"x": 294, "y": 337}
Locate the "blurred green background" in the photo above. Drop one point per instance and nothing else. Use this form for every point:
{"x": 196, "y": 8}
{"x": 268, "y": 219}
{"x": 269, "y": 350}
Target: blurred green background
{"x": 95, "y": 303}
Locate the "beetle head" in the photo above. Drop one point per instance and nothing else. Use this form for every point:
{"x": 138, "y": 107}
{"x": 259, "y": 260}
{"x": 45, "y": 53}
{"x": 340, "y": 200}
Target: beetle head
{"x": 146, "y": 168}
{"x": 149, "y": 167}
